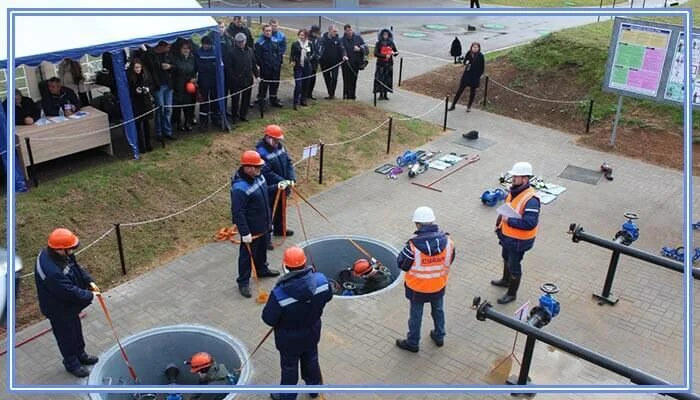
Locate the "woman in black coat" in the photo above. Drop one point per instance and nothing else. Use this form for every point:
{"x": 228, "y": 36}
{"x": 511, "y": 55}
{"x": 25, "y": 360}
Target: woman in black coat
{"x": 300, "y": 56}
{"x": 140, "y": 87}
{"x": 184, "y": 71}
{"x": 384, "y": 51}
{"x": 474, "y": 65}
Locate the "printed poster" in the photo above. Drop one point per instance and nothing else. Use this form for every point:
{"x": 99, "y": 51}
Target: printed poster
{"x": 675, "y": 87}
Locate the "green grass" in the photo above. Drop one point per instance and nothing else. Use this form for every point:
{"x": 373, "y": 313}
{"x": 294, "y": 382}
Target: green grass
{"x": 545, "y": 3}
{"x": 164, "y": 181}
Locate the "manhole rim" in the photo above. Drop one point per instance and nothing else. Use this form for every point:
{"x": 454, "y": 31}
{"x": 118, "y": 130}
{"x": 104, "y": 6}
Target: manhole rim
{"x": 391, "y": 248}
{"x": 238, "y": 346}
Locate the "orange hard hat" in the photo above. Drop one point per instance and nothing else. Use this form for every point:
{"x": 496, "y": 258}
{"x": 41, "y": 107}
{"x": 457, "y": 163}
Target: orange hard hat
{"x": 274, "y": 131}
{"x": 62, "y": 238}
{"x": 200, "y": 361}
{"x": 190, "y": 87}
{"x": 362, "y": 267}
{"x": 251, "y": 157}
{"x": 294, "y": 258}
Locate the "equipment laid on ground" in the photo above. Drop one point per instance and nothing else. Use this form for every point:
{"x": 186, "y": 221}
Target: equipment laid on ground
{"x": 607, "y": 171}
{"x": 678, "y": 253}
{"x": 421, "y": 164}
{"x": 468, "y": 161}
{"x": 393, "y": 174}
{"x": 629, "y": 232}
{"x": 407, "y": 158}
{"x": 384, "y": 169}
{"x": 548, "y": 307}
{"x": 471, "y": 135}
{"x": 492, "y": 197}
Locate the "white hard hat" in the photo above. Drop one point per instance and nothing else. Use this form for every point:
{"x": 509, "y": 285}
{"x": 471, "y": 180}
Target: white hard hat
{"x": 521, "y": 168}
{"x": 424, "y": 215}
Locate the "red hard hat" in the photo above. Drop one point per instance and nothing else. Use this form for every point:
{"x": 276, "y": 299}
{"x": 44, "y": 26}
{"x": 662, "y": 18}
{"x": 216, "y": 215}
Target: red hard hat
{"x": 274, "y": 131}
{"x": 294, "y": 258}
{"x": 190, "y": 87}
{"x": 251, "y": 157}
{"x": 361, "y": 267}
{"x": 200, "y": 361}
{"x": 62, "y": 238}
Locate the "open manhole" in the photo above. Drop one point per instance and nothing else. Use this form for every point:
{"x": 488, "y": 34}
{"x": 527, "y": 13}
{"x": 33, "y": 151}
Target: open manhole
{"x": 333, "y": 254}
{"x": 414, "y": 34}
{"x": 151, "y": 352}
{"x": 493, "y": 26}
{"x": 436, "y": 27}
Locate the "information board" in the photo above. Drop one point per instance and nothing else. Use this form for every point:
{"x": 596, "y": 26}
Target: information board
{"x": 675, "y": 88}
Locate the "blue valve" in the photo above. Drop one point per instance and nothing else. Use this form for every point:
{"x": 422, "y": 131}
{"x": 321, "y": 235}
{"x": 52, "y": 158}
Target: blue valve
{"x": 548, "y": 307}
{"x": 492, "y": 197}
{"x": 630, "y": 231}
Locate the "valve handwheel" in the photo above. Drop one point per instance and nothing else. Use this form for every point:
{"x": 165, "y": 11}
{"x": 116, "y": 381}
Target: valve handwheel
{"x": 549, "y": 288}
{"x": 631, "y": 215}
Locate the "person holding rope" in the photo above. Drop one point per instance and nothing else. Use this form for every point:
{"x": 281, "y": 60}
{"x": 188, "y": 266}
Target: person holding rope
{"x": 331, "y": 52}
{"x": 250, "y": 211}
{"x": 278, "y": 168}
{"x": 474, "y": 65}
{"x": 385, "y": 51}
{"x": 356, "y": 50}
{"x": 64, "y": 289}
{"x": 426, "y": 258}
{"x": 294, "y": 310}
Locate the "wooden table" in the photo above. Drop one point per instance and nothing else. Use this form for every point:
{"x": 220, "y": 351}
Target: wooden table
{"x": 88, "y": 132}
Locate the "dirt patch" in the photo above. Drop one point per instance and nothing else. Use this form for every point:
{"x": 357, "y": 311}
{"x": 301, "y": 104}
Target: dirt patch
{"x": 642, "y": 134}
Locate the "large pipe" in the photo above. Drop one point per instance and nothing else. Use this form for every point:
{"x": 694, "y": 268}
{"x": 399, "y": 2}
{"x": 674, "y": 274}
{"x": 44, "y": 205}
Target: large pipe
{"x": 485, "y": 311}
{"x": 578, "y": 234}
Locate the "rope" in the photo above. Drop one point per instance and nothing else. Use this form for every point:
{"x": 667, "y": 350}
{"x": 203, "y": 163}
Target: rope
{"x": 209, "y": 101}
{"x": 302, "y": 78}
{"x": 178, "y": 212}
{"x": 16, "y": 145}
{"x": 359, "y": 137}
{"x": 533, "y": 97}
{"x": 424, "y": 114}
{"x": 132, "y": 372}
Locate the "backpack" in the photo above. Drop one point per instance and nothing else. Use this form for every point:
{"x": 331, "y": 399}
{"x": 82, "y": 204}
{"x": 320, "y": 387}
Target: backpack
{"x": 108, "y": 104}
{"x": 456, "y": 49}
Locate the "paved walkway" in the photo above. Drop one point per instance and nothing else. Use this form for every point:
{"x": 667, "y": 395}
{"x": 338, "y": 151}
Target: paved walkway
{"x": 643, "y": 330}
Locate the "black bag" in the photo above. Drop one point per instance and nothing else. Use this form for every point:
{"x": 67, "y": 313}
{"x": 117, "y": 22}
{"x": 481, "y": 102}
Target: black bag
{"x": 456, "y": 49}
{"x": 363, "y": 65}
{"x": 105, "y": 78}
{"x": 109, "y": 105}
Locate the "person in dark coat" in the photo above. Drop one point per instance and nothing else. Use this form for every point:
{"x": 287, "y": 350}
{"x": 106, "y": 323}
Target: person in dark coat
{"x": 300, "y": 57}
{"x": 294, "y": 310}
{"x": 474, "y": 65}
{"x": 250, "y": 212}
{"x": 140, "y": 87}
{"x": 330, "y": 54}
{"x": 473, "y": 3}
{"x": 205, "y": 65}
{"x": 26, "y": 112}
{"x": 426, "y": 259}
{"x": 278, "y": 168}
{"x": 227, "y": 46}
{"x": 237, "y": 27}
{"x": 244, "y": 72}
{"x": 315, "y": 40}
{"x": 158, "y": 62}
{"x": 356, "y": 50}
{"x": 184, "y": 71}
{"x": 64, "y": 289}
{"x": 267, "y": 56}
{"x": 384, "y": 51}
{"x": 59, "y": 97}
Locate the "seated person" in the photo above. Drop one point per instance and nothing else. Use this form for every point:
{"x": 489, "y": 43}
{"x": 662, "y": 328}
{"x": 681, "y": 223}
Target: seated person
{"x": 368, "y": 277}
{"x": 210, "y": 372}
{"x": 59, "y": 97}
{"x": 26, "y": 112}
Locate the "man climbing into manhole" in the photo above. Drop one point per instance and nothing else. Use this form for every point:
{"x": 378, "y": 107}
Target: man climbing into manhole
{"x": 366, "y": 276}
{"x": 209, "y": 372}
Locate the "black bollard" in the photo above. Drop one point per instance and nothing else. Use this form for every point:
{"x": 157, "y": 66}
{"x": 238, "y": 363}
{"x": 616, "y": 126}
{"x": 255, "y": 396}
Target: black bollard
{"x": 120, "y": 246}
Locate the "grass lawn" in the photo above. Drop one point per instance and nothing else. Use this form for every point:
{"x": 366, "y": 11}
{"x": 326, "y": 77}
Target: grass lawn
{"x": 168, "y": 180}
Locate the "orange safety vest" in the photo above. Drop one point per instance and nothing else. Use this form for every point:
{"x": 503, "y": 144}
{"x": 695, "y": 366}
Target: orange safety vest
{"x": 428, "y": 274}
{"x": 518, "y": 204}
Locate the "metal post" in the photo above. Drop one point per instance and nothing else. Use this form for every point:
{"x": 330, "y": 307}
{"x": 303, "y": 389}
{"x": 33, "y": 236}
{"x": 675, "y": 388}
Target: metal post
{"x": 374, "y": 91}
{"x": 444, "y": 120}
{"x": 632, "y": 4}
{"x": 162, "y": 140}
{"x": 590, "y": 115}
{"x": 600, "y": 6}
{"x": 261, "y": 104}
{"x": 260, "y": 6}
{"x": 319, "y": 23}
{"x": 31, "y": 162}
{"x": 617, "y": 120}
{"x": 605, "y": 297}
{"x": 523, "y": 378}
{"x": 120, "y": 245}
{"x": 320, "y": 166}
{"x": 388, "y": 139}
{"x": 644, "y": 4}
{"x": 486, "y": 90}
{"x": 209, "y": 3}
{"x": 665, "y": 1}
{"x": 248, "y": 18}
{"x": 400, "y": 70}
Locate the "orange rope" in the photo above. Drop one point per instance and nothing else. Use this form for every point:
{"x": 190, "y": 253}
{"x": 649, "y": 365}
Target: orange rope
{"x": 132, "y": 372}
{"x": 262, "y": 295}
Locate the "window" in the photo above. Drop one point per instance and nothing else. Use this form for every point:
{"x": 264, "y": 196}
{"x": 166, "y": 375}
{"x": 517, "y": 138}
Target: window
{"x": 20, "y": 82}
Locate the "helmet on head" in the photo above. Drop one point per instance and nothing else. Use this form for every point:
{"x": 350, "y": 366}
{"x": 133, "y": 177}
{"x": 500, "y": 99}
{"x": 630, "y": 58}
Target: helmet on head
{"x": 62, "y": 238}
{"x": 362, "y": 267}
{"x": 251, "y": 157}
{"x": 294, "y": 258}
{"x": 521, "y": 168}
{"x": 200, "y": 361}
{"x": 274, "y": 131}
{"x": 424, "y": 215}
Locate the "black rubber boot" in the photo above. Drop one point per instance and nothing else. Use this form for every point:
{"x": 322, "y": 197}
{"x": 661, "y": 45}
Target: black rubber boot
{"x": 510, "y": 295}
{"x": 505, "y": 280}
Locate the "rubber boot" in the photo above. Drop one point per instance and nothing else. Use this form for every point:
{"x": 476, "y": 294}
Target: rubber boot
{"x": 505, "y": 280}
{"x": 512, "y": 291}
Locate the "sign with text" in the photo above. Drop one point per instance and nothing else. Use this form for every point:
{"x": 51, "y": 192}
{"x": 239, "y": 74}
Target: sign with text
{"x": 309, "y": 151}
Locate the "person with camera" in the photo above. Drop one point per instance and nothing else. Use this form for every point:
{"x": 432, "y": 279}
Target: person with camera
{"x": 356, "y": 51}
{"x": 474, "y": 65}
{"x": 140, "y": 87}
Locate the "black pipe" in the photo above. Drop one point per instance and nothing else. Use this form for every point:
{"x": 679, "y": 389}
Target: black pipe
{"x": 527, "y": 360}
{"x": 601, "y": 6}
{"x": 444, "y": 120}
{"x": 486, "y": 90}
{"x": 579, "y": 234}
{"x": 375, "y": 96}
{"x": 388, "y": 139}
{"x": 400, "y": 70}
{"x": 31, "y": 162}
{"x": 320, "y": 166}
{"x": 120, "y": 246}
{"x": 636, "y": 376}
{"x": 605, "y": 296}
{"x": 590, "y": 115}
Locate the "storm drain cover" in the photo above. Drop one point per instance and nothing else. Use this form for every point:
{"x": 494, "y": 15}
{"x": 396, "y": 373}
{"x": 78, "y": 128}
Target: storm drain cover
{"x": 493, "y": 26}
{"x": 436, "y": 27}
{"x": 479, "y": 144}
{"x": 414, "y": 34}
{"x": 585, "y": 175}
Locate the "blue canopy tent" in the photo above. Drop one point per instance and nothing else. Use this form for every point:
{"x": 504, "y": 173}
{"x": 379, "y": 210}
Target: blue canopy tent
{"x": 95, "y": 36}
